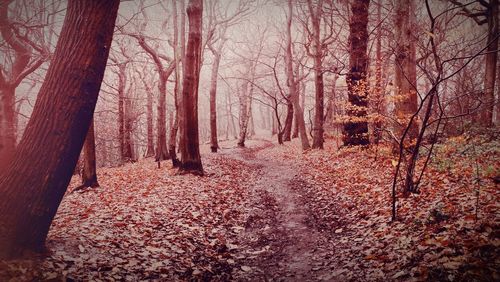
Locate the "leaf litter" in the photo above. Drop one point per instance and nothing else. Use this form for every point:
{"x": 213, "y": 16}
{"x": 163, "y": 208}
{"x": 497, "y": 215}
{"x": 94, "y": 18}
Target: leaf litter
{"x": 152, "y": 225}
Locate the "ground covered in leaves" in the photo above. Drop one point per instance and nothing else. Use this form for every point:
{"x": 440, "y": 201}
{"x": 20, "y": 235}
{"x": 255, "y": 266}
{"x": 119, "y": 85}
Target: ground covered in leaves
{"x": 448, "y": 232}
{"x": 275, "y": 213}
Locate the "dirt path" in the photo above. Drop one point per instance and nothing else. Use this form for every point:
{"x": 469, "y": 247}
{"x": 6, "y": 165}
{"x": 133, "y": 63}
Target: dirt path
{"x": 280, "y": 241}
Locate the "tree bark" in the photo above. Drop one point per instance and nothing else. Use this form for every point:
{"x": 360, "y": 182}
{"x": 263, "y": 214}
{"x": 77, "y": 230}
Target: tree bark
{"x": 188, "y": 116}
{"x": 89, "y": 173}
{"x": 293, "y": 85}
{"x": 128, "y": 142}
{"x": 243, "y": 118}
{"x": 150, "y": 151}
{"x": 7, "y": 125}
{"x": 214, "y": 145}
{"x": 356, "y": 128}
{"x": 405, "y": 70}
{"x": 491, "y": 59}
{"x": 318, "y": 76}
{"x": 245, "y": 99}
{"x": 287, "y": 129}
{"x": 177, "y": 58}
{"x": 122, "y": 82}
{"x": 34, "y": 183}
{"x": 161, "y": 122}
{"x": 377, "y": 103}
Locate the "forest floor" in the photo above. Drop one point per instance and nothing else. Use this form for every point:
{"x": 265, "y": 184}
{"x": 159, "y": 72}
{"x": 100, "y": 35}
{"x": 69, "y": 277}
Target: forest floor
{"x": 275, "y": 213}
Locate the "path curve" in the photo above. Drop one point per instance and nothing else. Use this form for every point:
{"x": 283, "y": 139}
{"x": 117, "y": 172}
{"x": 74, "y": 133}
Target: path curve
{"x": 280, "y": 242}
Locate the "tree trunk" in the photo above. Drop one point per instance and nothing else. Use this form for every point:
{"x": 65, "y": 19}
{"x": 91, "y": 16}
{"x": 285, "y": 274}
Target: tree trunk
{"x": 177, "y": 57}
{"x": 292, "y": 82}
{"x": 150, "y": 151}
{"x": 231, "y": 116}
{"x": 7, "y": 126}
{"x": 89, "y": 173}
{"x": 128, "y": 142}
{"x": 295, "y": 129}
{"x": 33, "y": 185}
{"x": 188, "y": 116}
{"x": 245, "y": 99}
{"x": 356, "y": 128}
{"x": 161, "y": 122}
{"x": 287, "y": 129}
{"x": 405, "y": 70}
{"x": 122, "y": 82}
{"x": 491, "y": 64}
{"x": 318, "y": 77}
{"x": 377, "y": 103}
{"x": 251, "y": 124}
{"x": 243, "y": 118}
{"x": 214, "y": 145}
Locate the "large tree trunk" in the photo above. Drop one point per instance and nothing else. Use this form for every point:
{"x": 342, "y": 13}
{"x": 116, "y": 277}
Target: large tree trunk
{"x": 491, "y": 63}
{"x": 214, "y": 145}
{"x": 356, "y": 128}
{"x": 34, "y": 183}
{"x": 188, "y": 116}
{"x": 293, "y": 85}
{"x": 89, "y": 173}
{"x": 405, "y": 70}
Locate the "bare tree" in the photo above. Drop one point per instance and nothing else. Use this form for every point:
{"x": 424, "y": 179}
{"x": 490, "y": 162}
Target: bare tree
{"x": 188, "y": 115}
{"x": 89, "y": 171}
{"x": 219, "y": 22}
{"x": 315, "y": 13}
{"x": 25, "y": 54}
{"x": 488, "y": 15}
{"x": 150, "y": 149}
{"x": 32, "y": 187}
{"x": 292, "y": 83}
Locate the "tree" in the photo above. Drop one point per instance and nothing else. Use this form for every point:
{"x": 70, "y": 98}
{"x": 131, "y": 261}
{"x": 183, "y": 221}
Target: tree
{"x": 150, "y": 149}
{"x": 377, "y": 99}
{"x": 245, "y": 100}
{"x": 89, "y": 172}
{"x": 405, "y": 68}
{"x": 177, "y": 86}
{"x": 188, "y": 115}
{"x": 489, "y": 16}
{"x": 164, "y": 74}
{"x": 356, "y": 128}
{"x": 292, "y": 82}
{"x": 34, "y": 183}
{"x": 316, "y": 13}
{"x": 123, "y": 107}
{"x": 219, "y": 22}
{"x": 23, "y": 60}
